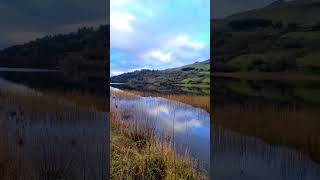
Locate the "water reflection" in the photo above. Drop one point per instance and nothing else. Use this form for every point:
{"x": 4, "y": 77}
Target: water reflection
{"x": 239, "y": 157}
{"x": 45, "y": 137}
{"x": 189, "y": 126}
{"x": 267, "y": 130}
{"x": 66, "y": 145}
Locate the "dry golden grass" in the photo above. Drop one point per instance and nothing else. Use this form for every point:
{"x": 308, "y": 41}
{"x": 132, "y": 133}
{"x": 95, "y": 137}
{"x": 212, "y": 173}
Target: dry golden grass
{"x": 202, "y": 102}
{"x": 34, "y": 102}
{"x": 49, "y": 101}
{"x": 82, "y": 99}
{"x": 136, "y": 153}
{"x": 297, "y": 128}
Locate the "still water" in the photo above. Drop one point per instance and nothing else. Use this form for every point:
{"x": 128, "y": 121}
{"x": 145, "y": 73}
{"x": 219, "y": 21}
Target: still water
{"x": 264, "y": 129}
{"x": 42, "y": 137}
{"x": 187, "y": 126}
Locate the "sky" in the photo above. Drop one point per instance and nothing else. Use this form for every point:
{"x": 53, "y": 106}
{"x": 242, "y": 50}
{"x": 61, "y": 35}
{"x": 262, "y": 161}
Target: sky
{"x": 25, "y": 20}
{"x": 153, "y": 34}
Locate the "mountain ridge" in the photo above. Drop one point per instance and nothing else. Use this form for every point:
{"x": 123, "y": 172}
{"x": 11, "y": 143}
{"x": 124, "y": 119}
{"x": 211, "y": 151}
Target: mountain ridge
{"x": 197, "y": 73}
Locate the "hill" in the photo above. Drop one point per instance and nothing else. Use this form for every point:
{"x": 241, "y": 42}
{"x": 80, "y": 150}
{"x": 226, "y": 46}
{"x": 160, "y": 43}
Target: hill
{"x": 49, "y": 51}
{"x": 194, "y": 74}
{"x": 299, "y": 11}
{"x": 283, "y": 36}
{"x": 80, "y": 56}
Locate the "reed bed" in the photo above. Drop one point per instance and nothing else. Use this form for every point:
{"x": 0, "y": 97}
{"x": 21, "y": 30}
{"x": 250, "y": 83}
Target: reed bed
{"x": 83, "y": 99}
{"x": 138, "y": 152}
{"x": 45, "y": 137}
{"x": 250, "y": 155}
{"x": 49, "y": 101}
{"x": 45, "y": 146}
{"x": 294, "y": 127}
{"x": 202, "y": 102}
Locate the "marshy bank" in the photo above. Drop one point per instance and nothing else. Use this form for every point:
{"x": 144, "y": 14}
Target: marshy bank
{"x": 195, "y": 96}
{"x": 148, "y": 138}
{"x": 242, "y": 157}
{"x": 199, "y": 101}
{"x": 266, "y": 123}
{"x": 50, "y": 136}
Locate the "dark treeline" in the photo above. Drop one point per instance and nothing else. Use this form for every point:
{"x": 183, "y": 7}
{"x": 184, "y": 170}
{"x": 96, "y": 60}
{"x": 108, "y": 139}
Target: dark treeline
{"x": 51, "y": 51}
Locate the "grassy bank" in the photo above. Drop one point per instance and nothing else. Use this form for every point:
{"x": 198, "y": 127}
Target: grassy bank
{"x": 137, "y": 153}
{"x": 202, "y": 102}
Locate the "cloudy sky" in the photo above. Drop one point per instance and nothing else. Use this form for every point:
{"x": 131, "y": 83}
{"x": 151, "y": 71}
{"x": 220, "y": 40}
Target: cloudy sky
{"x": 24, "y": 20}
{"x": 153, "y": 34}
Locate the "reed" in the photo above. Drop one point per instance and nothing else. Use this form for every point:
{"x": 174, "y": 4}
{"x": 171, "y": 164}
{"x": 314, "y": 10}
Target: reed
{"x": 46, "y": 137}
{"x": 202, "y": 102}
{"x": 138, "y": 153}
{"x": 65, "y": 147}
{"x": 292, "y": 126}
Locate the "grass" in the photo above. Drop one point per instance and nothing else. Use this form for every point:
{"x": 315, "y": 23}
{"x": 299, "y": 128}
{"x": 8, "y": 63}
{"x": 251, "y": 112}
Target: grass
{"x": 137, "y": 153}
{"x": 82, "y": 99}
{"x": 42, "y": 137}
{"x": 290, "y": 126}
{"x": 202, "y": 102}
{"x": 247, "y": 62}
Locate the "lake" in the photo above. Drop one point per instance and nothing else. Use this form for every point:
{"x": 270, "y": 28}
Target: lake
{"x": 265, "y": 129}
{"x": 261, "y": 129}
{"x": 45, "y": 132}
{"x": 189, "y": 127}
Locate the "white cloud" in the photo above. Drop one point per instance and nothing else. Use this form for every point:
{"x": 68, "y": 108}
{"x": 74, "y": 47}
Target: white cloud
{"x": 122, "y": 21}
{"x": 159, "y": 110}
{"x": 184, "y": 41}
{"x": 174, "y": 48}
{"x": 159, "y": 55}
{"x": 182, "y": 126}
{"x": 146, "y": 32}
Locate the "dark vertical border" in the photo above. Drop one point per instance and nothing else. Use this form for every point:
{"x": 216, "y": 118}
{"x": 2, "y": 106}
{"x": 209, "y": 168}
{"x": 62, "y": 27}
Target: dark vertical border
{"x": 107, "y": 45}
{"x": 212, "y": 94}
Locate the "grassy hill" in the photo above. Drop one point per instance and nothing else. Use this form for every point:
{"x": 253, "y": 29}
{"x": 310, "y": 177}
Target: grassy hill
{"x": 194, "y": 74}
{"x": 281, "y": 37}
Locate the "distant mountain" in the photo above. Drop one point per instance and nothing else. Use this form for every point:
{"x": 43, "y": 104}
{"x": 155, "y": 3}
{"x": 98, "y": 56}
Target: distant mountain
{"x": 283, "y": 36}
{"x": 194, "y": 74}
{"x": 300, "y": 11}
{"x": 277, "y": 3}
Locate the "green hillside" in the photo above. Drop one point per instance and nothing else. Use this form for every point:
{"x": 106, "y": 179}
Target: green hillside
{"x": 194, "y": 74}
{"x": 283, "y": 36}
